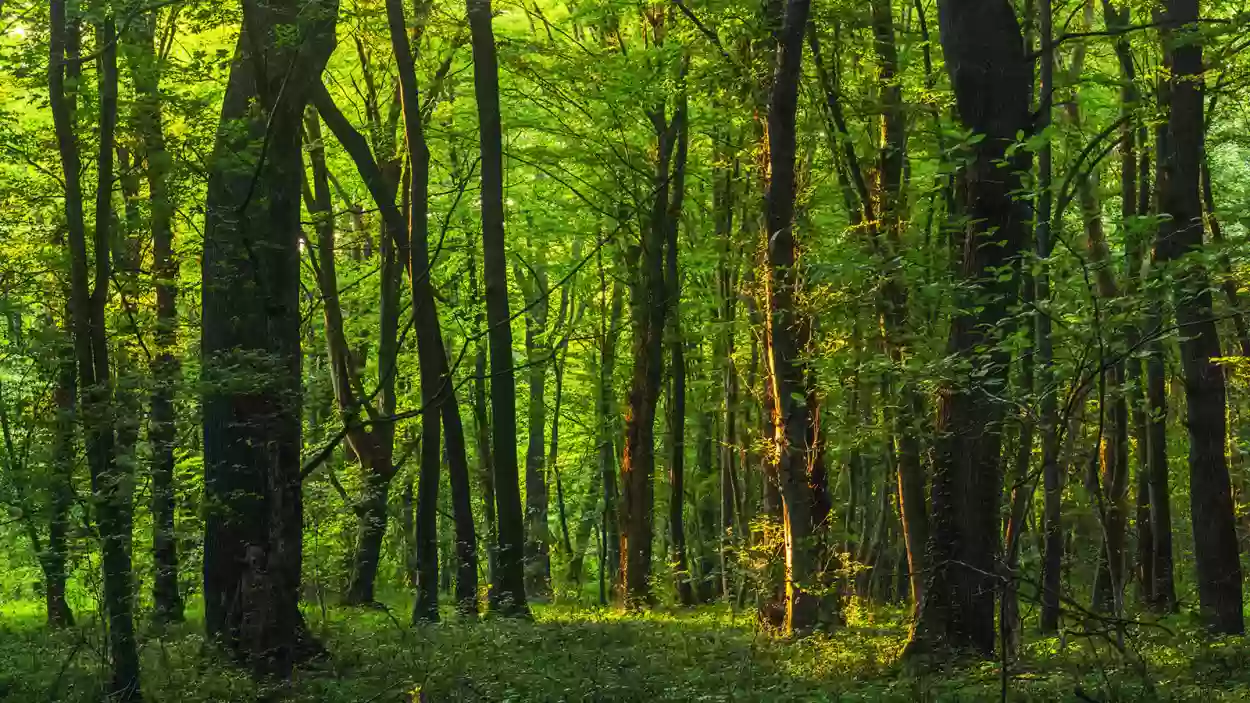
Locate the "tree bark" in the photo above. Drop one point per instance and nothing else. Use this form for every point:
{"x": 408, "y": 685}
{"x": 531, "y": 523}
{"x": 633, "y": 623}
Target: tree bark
{"x": 507, "y": 594}
{"x": 1052, "y": 476}
{"x": 251, "y": 339}
{"x": 537, "y": 493}
{"x": 162, "y": 428}
{"x": 1211, "y": 503}
{"x": 110, "y": 481}
{"x": 788, "y": 330}
{"x": 677, "y": 365}
{"x": 53, "y": 558}
{"x": 992, "y": 81}
{"x": 649, "y": 309}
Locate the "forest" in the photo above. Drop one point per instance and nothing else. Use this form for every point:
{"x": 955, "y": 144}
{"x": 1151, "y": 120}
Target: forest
{"x": 624, "y": 350}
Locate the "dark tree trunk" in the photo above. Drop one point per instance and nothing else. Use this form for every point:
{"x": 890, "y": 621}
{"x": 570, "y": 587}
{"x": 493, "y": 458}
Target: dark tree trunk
{"x": 54, "y": 556}
{"x": 1163, "y": 588}
{"x": 1211, "y": 503}
{"x": 162, "y": 430}
{"x": 109, "y": 482}
{"x": 794, "y": 415}
{"x": 537, "y": 493}
{"x": 992, "y": 81}
{"x": 1227, "y": 283}
{"x": 677, "y": 345}
{"x": 649, "y": 308}
{"x": 373, "y": 447}
{"x": 1052, "y": 476}
{"x": 251, "y": 340}
{"x": 553, "y": 456}
{"x": 481, "y": 425}
{"x": 894, "y": 303}
{"x": 507, "y": 594}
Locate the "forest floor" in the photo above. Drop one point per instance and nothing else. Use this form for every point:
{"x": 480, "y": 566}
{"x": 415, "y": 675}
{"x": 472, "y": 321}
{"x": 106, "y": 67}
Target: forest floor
{"x": 579, "y": 654}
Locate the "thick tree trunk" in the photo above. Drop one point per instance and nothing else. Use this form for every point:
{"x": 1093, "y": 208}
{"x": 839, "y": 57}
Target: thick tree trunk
{"x": 507, "y": 595}
{"x": 251, "y": 340}
{"x": 111, "y": 486}
{"x": 992, "y": 81}
{"x": 1211, "y": 503}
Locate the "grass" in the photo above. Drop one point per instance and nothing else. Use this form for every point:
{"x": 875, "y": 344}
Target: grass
{"x": 579, "y": 654}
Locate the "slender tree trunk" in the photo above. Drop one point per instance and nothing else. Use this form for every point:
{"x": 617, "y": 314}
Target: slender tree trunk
{"x": 891, "y": 164}
{"x": 1163, "y": 589}
{"x": 507, "y": 594}
{"x": 677, "y": 344}
{"x": 162, "y": 429}
{"x": 251, "y": 340}
{"x": 111, "y": 485}
{"x": 649, "y": 307}
{"x": 537, "y": 493}
{"x": 788, "y": 334}
{"x": 1052, "y": 477}
{"x": 481, "y": 425}
{"x": 374, "y": 447}
{"x": 53, "y": 558}
{"x": 560, "y": 357}
{"x": 1211, "y": 503}
{"x": 605, "y": 480}
{"x": 992, "y": 80}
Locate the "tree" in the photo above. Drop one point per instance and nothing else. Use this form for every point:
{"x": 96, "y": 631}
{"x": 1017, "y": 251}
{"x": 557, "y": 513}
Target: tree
{"x": 111, "y": 487}
{"x": 993, "y": 103}
{"x": 794, "y": 410}
{"x": 251, "y": 340}
{"x": 1211, "y": 503}
{"x": 508, "y": 590}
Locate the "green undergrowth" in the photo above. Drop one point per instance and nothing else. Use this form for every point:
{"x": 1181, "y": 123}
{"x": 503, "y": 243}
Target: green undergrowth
{"x": 580, "y": 654}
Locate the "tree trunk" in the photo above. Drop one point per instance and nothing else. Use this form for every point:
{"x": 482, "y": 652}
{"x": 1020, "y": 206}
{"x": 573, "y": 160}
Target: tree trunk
{"x": 788, "y": 334}
{"x": 162, "y": 430}
{"x": 605, "y": 416}
{"x": 1211, "y": 503}
{"x": 53, "y": 559}
{"x": 251, "y": 340}
{"x": 992, "y": 81}
{"x": 894, "y": 304}
{"x": 373, "y": 446}
{"x": 1052, "y": 476}
{"x": 110, "y": 482}
{"x": 537, "y": 493}
{"x": 1163, "y": 588}
{"x": 677, "y": 344}
{"x": 649, "y": 307}
{"x": 507, "y": 595}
